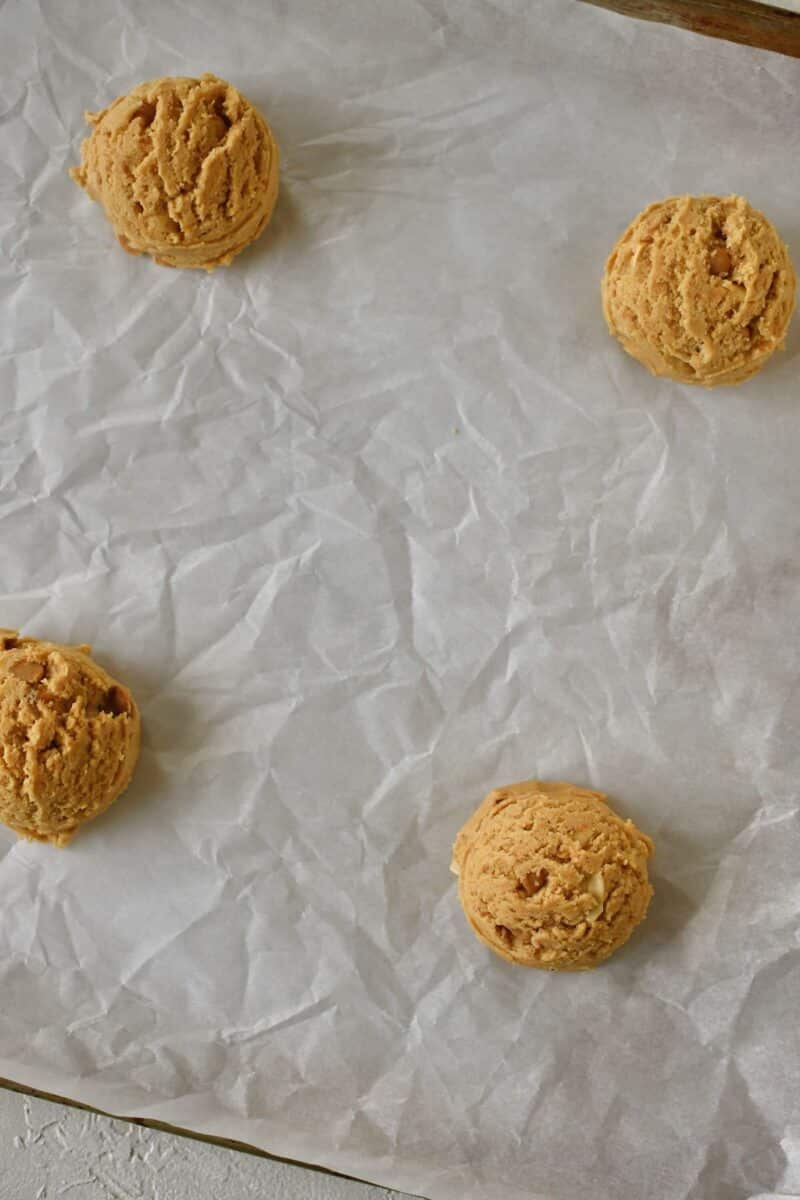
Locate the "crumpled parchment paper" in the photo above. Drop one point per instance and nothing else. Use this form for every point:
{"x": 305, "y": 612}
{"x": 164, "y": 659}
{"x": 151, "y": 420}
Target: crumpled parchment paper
{"x": 373, "y": 521}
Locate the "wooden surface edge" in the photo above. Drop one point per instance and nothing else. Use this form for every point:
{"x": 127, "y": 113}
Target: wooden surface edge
{"x": 744, "y": 21}
{"x": 209, "y": 1139}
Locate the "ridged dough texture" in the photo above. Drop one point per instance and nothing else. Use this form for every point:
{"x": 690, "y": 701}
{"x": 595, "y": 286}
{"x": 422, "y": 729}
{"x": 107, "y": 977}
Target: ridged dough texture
{"x": 186, "y": 170}
{"x": 549, "y": 876}
{"x": 69, "y": 738}
{"x": 700, "y": 289}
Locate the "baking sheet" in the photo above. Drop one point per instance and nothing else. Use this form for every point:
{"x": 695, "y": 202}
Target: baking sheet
{"x": 375, "y": 520}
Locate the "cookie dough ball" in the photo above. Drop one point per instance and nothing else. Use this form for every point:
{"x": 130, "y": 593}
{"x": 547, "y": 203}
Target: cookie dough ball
{"x": 186, "y": 170}
{"x": 549, "y": 876}
{"x": 700, "y": 289}
{"x": 69, "y": 738}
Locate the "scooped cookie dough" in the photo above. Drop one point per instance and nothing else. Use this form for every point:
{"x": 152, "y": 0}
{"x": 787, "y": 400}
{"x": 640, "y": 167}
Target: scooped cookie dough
{"x": 549, "y": 876}
{"x": 69, "y": 738}
{"x": 700, "y": 289}
{"x": 186, "y": 170}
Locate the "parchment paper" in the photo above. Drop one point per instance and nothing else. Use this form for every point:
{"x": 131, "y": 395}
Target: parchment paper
{"x": 375, "y": 520}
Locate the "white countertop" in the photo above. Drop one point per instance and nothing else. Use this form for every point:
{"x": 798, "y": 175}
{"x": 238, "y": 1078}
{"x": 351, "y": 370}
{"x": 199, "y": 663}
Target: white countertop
{"x": 51, "y": 1150}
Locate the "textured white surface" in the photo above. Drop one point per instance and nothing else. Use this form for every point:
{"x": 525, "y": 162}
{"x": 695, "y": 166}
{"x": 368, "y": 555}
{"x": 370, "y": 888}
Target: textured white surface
{"x": 371, "y": 522}
{"x": 50, "y": 1150}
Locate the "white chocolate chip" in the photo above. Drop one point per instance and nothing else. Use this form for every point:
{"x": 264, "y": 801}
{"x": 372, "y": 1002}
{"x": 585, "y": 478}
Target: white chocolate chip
{"x": 596, "y": 887}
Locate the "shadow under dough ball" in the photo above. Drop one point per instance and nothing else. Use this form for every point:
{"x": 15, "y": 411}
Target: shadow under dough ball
{"x": 549, "y": 876}
{"x": 700, "y": 289}
{"x": 69, "y": 738}
{"x": 186, "y": 169}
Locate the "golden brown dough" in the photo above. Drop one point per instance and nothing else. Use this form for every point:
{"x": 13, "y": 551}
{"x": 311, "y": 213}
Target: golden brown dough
{"x": 69, "y": 738}
{"x": 186, "y": 170}
{"x": 549, "y": 876}
{"x": 700, "y": 289}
